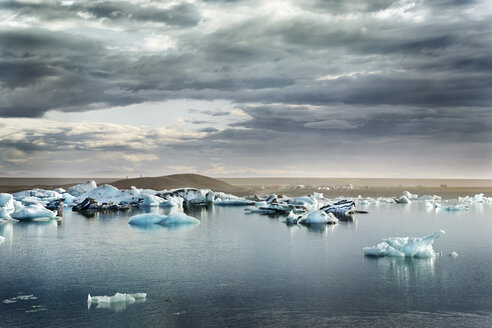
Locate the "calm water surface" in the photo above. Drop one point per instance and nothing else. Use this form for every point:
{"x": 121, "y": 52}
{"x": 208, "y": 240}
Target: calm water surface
{"x": 248, "y": 270}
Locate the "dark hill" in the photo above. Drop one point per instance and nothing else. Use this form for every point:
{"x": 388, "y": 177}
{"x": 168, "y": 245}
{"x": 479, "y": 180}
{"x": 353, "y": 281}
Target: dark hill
{"x": 180, "y": 181}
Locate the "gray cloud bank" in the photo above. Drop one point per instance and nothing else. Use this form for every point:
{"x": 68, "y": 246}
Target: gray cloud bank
{"x": 334, "y": 73}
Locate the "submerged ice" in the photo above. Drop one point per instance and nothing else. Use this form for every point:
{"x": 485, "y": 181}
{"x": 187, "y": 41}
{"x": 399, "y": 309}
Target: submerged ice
{"x": 405, "y": 246}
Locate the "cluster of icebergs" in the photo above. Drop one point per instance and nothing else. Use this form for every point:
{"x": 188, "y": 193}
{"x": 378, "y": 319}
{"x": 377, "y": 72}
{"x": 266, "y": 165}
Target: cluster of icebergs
{"x": 310, "y": 209}
{"x": 461, "y": 204}
{"x": 48, "y": 204}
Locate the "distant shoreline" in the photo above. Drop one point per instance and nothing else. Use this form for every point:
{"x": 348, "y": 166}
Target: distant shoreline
{"x": 338, "y": 187}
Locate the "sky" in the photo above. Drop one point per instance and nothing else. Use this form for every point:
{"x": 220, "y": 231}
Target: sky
{"x": 311, "y": 88}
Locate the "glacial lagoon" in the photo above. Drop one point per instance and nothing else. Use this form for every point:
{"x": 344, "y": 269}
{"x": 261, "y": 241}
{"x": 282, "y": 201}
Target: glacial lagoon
{"x": 247, "y": 270}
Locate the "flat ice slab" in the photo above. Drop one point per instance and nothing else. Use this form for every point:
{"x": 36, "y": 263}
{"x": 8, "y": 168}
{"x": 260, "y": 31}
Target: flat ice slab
{"x": 116, "y": 298}
{"x": 405, "y": 246}
{"x": 165, "y": 220}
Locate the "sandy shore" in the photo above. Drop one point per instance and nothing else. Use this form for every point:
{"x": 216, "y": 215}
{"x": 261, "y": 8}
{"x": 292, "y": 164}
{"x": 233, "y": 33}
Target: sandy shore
{"x": 348, "y": 187}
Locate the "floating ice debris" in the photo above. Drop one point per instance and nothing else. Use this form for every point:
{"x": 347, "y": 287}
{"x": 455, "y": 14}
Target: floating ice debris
{"x": 453, "y": 254}
{"x": 402, "y": 200}
{"x": 116, "y": 298}
{"x": 364, "y": 202}
{"x": 190, "y": 195}
{"x": 34, "y": 211}
{"x": 292, "y": 218}
{"x": 19, "y": 298}
{"x": 428, "y": 197}
{"x": 318, "y": 217}
{"x": 56, "y": 205}
{"x": 225, "y": 199}
{"x": 2, "y": 239}
{"x": 405, "y": 246}
{"x": 82, "y": 188}
{"x": 117, "y": 302}
{"x": 410, "y": 195}
{"x": 455, "y": 208}
{"x": 169, "y": 220}
{"x": 342, "y": 207}
{"x": 7, "y": 203}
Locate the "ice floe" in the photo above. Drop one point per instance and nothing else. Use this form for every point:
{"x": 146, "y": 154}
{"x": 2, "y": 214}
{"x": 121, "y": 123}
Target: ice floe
{"x": 402, "y": 200}
{"x": 455, "y": 208}
{"x": 405, "y": 246}
{"x": 165, "y": 220}
{"x": 117, "y": 302}
{"x": 19, "y": 298}
{"x": 318, "y": 217}
{"x": 2, "y": 239}
{"x": 34, "y": 211}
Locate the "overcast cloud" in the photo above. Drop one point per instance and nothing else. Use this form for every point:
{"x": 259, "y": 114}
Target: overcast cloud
{"x": 317, "y": 87}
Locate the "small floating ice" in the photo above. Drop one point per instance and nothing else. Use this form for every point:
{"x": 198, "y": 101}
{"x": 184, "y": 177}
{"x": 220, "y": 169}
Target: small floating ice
{"x": 453, "y": 254}
{"x": 402, "y": 200}
{"x": 2, "y": 239}
{"x": 116, "y": 298}
{"x": 318, "y": 217}
{"x": 19, "y": 298}
{"x": 405, "y": 246}
{"x": 455, "y": 208}
{"x": 34, "y": 211}
{"x": 169, "y": 220}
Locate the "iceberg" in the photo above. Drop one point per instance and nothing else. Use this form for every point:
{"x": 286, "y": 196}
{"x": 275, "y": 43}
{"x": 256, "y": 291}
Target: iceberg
{"x": 402, "y": 200}
{"x": 410, "y": 195}
{"x": 2, "y": 239}
{"x": 405, "y": 246}
{"x": 165, "y": 220}
{"x": 145, "y": 219}
{"x": 116, "y": 302}
{"x": 34, "y": 211}
{"x": 318, "y": 217}
{"x": 341, "y": 207}
{"x": 134, "y": 197}
{"x": 82, "y": 188}
{"x": 7, "y": 202}
{"x": 116, "y": 298}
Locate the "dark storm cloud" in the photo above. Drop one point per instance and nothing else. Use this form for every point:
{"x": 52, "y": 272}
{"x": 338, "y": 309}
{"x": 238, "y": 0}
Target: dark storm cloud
{"x": 338, "y": 52}
{"x": 179, "y": 15}
{"x": 209, "y": 130}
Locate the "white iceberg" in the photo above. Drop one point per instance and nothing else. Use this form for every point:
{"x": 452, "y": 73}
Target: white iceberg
{"x": 116, "y": 298}
{"x": 34, "y": 211}
{"x": 165, "y": 220}
{"x": 116, "y": 302}
{"x": 7, "y": 202}
{"x": 82, "y": 188}
{"x": 402, "y": 200}
{"x": 410, "y": 195}
{"x": 405, "y": 246}
{"x": 318, "y": 217}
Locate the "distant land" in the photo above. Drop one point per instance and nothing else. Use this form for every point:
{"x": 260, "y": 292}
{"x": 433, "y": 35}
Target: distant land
{"x": 350, "y": 187}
